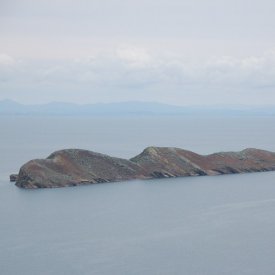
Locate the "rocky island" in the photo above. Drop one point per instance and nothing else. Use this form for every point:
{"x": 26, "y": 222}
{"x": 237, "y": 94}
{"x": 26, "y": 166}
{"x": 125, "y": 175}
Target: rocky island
{"x": 73, "y": 167}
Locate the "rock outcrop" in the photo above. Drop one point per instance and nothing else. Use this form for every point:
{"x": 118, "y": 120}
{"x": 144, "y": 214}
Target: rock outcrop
{"x": 13, "y": 177}
{"x": 78, "y": 167}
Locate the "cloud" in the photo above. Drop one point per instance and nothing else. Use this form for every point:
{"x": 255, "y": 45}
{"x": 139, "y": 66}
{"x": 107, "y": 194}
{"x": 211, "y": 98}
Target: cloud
{"x": 134, "y": 56}
{"x": 132, "y": 73}
{"x": 251, "y": 71}
{"x": 6, "y": 60}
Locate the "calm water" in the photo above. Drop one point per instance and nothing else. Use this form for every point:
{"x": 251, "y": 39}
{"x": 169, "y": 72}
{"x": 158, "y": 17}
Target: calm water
{"x": 199, "y": 225}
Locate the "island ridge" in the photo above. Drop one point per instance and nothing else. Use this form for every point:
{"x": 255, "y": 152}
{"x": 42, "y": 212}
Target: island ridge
{"x": 71, "y": 167}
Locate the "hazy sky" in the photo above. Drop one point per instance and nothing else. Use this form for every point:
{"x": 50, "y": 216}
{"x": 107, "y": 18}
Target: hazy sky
{"x": 181, "y": 52}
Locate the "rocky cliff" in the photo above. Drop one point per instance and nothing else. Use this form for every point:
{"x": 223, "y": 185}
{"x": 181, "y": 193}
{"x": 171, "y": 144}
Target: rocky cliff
{"x": 77, "y": 167}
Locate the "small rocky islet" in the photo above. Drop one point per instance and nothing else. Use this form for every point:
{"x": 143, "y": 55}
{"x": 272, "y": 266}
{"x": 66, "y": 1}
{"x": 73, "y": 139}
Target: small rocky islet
{"x": 72, "y": 167}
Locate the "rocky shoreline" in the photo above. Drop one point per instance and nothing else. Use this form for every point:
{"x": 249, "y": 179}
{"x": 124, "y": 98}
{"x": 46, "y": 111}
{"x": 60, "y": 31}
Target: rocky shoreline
{"x": 72, "y": 167}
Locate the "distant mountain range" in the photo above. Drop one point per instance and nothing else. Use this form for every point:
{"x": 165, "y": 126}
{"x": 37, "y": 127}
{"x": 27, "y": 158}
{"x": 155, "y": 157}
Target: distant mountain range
{"x": 131, "y": 108}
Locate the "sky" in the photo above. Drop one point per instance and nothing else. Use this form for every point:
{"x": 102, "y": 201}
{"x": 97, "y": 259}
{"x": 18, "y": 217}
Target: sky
{"x": 199, "y": 52}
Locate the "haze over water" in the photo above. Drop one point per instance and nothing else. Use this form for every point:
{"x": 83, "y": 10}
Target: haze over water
{"x": 196, "y": 225}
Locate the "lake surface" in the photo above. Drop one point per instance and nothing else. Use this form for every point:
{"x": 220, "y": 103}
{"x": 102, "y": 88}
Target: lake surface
{"x": 196, "y": 225}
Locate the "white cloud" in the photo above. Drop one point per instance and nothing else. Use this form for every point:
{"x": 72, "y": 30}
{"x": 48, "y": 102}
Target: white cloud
{"x": 133, "y": 73}
{"x": 137, "y": 57}
{"x": 6, "y": 59}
